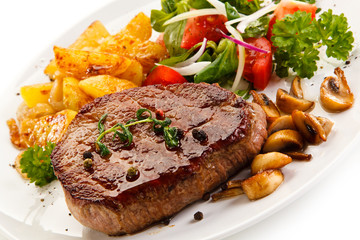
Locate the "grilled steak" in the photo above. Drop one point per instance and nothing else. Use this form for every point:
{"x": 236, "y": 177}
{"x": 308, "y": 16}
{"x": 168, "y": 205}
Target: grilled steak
{"x": 103, "y": 198}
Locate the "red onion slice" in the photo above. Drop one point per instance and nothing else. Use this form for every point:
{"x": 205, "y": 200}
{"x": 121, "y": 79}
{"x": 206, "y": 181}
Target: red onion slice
{"x": 244, "y": 44}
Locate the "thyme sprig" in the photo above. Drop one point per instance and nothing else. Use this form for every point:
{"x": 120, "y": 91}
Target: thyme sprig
{"x": 123, "y": 132}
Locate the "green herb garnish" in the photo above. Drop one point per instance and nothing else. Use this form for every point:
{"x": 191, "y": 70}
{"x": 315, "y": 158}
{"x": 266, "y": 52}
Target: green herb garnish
{"x": 36, "y": 163}
{"x": 123, "y": 132}
{"x": 298, "y": 37}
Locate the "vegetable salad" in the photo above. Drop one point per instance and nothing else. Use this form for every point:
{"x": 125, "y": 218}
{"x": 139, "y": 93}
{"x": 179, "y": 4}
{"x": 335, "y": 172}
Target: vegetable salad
{"x": 241, "y": 43}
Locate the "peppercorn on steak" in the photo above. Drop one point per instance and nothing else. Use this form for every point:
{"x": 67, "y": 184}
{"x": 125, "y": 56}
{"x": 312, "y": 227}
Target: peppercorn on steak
{"x": 134, "y": 158}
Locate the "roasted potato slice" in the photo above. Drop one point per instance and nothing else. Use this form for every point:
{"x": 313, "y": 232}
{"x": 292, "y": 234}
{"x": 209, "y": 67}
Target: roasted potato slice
{"x": 287, "y": 103}
{"x": 272, "y": 112}
{"x": 73, "y": 97}
{"x": 17, "y": 165}
{"x": 98, "y": 86}
{"x": 48, "y": 128}
{"x": 335, "y": 93}
{"x": 139, "y": 27}
{"x": 283, "y": 140}
{"x": 262, "y": 184}
{"x": 146, "y": 52}
{"x": 36, "y": 93}
{"x": 90, "y": 39}
{"x": 281, "y": 123}
{"x": 271, "y": 160}
{"x": 39, "y": 110}
{"x": 134, "y": 73}
{"x": 83, "y": 64}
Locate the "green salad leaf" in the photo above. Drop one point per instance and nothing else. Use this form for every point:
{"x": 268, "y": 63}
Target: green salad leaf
{"x": 224, "y": 65}
{"x": 36, "y": 163}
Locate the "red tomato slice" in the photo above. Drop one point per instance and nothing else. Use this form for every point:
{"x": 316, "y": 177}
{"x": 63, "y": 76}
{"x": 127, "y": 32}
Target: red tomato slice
{"x": 198, "y": 28}
{"x": 289, "y": 7}
{"x": 163, "y": 75}
{"x": 258, "y": 66}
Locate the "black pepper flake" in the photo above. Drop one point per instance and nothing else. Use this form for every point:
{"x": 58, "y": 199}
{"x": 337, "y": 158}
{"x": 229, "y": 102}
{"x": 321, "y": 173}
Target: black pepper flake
{"x": 347, "y": 62}
{"x": 206, "y": 196}
{"x": 69, "y": 214}
{"x": 198, "y": 216}
{"x": 199, "y": 135}
{"x": 166, "y": 221}
{"x": 87, "y": 154}
{"x": 17, "y": 94}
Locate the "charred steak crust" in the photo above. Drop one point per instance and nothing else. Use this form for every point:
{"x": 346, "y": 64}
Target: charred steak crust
{"x": 102, "y": 198}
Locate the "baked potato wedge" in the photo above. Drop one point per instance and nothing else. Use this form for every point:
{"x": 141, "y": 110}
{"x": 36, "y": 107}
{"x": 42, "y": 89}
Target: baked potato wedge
{"x": 73, "y": 97}
{"x": 83, "y": 64}
{"x": 98, "y": 86}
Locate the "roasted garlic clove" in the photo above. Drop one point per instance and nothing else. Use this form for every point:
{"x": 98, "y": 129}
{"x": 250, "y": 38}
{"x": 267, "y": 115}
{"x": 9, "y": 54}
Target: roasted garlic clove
{"x": 309, "y": 127}
{"x": 283, "y": 140}
{"x": 335, "y": 93}
{"x": 272, "y": 112}
{"x": 300, "y": 156}
{"x": 287, "y": 103}
{"x": 262, "y": 184}
{"x": 296, "y": 89}
{"x": 326, "y": 124}
{"x": 271, "y": 160}
{"x": 281, "y": 123}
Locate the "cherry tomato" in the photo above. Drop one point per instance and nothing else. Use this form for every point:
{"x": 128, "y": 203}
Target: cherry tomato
{"x": 289, "y": 7}
{"x": 258, "y": 66}
{"x": 163, "y": 75}
{"x": 198, "y": 28}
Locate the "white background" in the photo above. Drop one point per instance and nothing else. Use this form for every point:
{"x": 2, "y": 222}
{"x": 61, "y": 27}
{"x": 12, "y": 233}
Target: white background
{"x": 330, "y": 210}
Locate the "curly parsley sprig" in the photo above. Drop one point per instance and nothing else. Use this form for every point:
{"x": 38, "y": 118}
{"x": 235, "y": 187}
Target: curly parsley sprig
{"x": 36, "y": 163}
{"x": 123, "y": 132}
{"x": 298, "y": 37}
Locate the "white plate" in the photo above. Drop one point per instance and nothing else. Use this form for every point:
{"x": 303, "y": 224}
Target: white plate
{"x": 24, "y": 215}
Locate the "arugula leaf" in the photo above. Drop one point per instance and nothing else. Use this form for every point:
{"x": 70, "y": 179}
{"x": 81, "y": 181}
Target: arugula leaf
{"x": 231, "y": 12}
{"x": 244, "y": 6}
{"x": 36, "y": 163}
{"x": 257, "y": 28}
{"x": 226, "y": 63}
{"x": 298, "y": 37}
{"x": 200, "y": 4}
